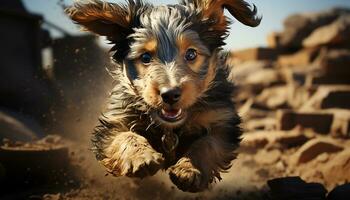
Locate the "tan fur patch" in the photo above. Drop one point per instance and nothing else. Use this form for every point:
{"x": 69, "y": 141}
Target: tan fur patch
{"x": 151, "y": 46}
{"x": 207, "y": 82}
{"x": 148, "y": 47}
{"x": 190, "y": 94}
{"x": 189, "y": 40}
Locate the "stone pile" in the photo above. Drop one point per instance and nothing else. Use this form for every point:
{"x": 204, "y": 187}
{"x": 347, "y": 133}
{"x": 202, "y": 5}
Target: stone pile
{"x": 294, "y": 98}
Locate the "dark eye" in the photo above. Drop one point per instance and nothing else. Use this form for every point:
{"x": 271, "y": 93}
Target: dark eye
{"x": 190, "y": 54}
{"x": 146, "y": 58}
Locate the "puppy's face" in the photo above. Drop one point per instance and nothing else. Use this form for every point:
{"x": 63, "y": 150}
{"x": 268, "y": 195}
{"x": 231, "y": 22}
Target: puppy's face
{"x": 170, "y": 63}
{"x": 169, "y": 53}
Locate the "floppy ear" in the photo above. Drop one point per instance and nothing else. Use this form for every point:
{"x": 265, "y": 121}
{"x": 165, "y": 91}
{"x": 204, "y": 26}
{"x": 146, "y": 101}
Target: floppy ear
{"x": 214, "y": 9}
{"x": 114, "y": 21}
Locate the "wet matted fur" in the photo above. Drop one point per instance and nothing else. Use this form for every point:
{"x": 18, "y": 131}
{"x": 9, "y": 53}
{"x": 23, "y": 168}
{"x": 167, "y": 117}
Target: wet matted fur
{"x": 191, "y": 131}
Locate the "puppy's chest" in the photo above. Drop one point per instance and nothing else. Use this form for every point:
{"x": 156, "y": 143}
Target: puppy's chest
{"x": 184, "y": 135}
{"x": 173, "y": 143}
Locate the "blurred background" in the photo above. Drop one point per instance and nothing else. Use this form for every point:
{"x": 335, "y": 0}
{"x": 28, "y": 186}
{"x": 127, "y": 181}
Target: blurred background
{"x": 293, "y": 93}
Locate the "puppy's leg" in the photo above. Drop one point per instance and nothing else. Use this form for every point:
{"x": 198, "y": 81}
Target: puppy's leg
{"x": 130, "y": 154}
{"x": 204, "y": 161}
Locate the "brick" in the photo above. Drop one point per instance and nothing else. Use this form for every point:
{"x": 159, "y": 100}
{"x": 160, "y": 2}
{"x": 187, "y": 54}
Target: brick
{"x": 303, "y": 57}
{"x": 325, "y": 97}
{"x": 336, "y": 33}
{"x": 318, "y": 121}
{"x": 258, "y": 53}
{"x": 273, "y": 40}
{"x": 313, "y": 148}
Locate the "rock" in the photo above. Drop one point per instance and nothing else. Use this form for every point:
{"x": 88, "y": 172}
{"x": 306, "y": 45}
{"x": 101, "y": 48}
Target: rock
{"x": 287, "y": 139}
{"x": 268, "y": 157}
{"x": 292, "y": 138}
{"x": 336, "y": 33}
{"x": 261, "y": 124}
{"x": 280, "y": 166}
{"x": 337, "y": 99}
{"x": 341, "y": 123}
{"x": 254, "y": 140}
{"x": 327, "y": 121}
{"x": 323, "y": 157}
{"x": 337, "y": 96}
{"x": 318, "y": 121}
{"x": 304, "y": 57}
{"x": 273, "y": 40}
{"x": 240, "y": 71}
{"x": 258, "y": 53}
{"x": 293, "y": 188}
{"x": 341, "y": 192}
{"x": 337, "y": 169}
{"x": 274, "y": 97}
{"x": 263, "y": 78}
{"x": 333, "y": 67}
{"x": 313, "y": 148}
{"x": 299, "y": 26}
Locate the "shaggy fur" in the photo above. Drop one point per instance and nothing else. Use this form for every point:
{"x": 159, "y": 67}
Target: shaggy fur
{"x": 133, "y": 138}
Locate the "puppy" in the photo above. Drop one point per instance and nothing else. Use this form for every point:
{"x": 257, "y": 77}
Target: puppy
{"x": 171, "y": 107}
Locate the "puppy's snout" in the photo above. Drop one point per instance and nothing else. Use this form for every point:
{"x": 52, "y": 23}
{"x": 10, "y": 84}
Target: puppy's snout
{"x": 170, "y": 95}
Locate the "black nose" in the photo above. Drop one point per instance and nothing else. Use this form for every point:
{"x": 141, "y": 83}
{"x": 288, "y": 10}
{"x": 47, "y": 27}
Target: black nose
{"x": 170, "y": 95}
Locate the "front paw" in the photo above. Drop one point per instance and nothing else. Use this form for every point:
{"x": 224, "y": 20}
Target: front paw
{"x": 132, "y": 157}
{"x": 187, "y": 177}
{"x": 142, "y": 164}
{"x": 137, "y": 164}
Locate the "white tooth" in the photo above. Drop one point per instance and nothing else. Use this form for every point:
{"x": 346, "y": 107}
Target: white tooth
{"x": 178, "y": 113}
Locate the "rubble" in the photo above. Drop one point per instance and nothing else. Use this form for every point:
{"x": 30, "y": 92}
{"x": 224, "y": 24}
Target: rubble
{"x": 256, "y": 54}
{"x": 335, "y": 96}
{"x": 333, "y": 67}
{"x": 268, "y": 157}
{"x": 314, "y": 148}
{"x": 319, "y": 121}
{"x": 274, "y": 97}
{"x": 269, "y": 139}
{"x": 263, "y": 78}
{"x": 299, "y": 26}
{"x": 296, "y": 109}
{"x": 301, "y": 58}
{"x": 337, "y": 170}
{"x": 336, "y": 33}
{"x": 273, "y": 40}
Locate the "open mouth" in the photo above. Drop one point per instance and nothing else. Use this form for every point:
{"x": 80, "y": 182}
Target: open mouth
{"x": 171, "y": 115}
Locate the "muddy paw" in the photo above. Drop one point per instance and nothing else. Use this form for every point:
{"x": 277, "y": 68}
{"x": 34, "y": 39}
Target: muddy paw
{"x": 140, "y": 164}
{"x": 143, "y": 164}
{"x": 186, "y": 177}
{"x": 133, "y": 158}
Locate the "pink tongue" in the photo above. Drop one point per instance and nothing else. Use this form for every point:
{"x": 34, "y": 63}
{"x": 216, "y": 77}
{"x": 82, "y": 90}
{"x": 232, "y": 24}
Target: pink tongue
{"x": 171, "y": 113}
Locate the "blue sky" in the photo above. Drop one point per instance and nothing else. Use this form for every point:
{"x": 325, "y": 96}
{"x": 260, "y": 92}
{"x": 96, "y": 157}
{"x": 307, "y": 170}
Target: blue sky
{"x": 273, "y": 12}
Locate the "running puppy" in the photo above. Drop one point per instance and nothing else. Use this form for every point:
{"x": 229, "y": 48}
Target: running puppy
{"x": 172, "y": 106}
